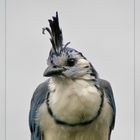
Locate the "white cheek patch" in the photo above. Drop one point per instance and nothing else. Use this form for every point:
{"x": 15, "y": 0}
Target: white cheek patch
{"x": 80, "y": 69}
{"x": 83, "y": 62}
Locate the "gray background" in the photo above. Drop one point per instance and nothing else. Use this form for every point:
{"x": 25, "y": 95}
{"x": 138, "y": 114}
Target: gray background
{"x": 2, "y": 70}
{"x": 137, "y": 69}
{"x": 102, "y": 30}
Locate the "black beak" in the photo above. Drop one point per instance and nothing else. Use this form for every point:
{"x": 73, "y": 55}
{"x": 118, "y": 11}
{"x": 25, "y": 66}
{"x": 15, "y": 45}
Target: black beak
{"x": 53, "y": 70}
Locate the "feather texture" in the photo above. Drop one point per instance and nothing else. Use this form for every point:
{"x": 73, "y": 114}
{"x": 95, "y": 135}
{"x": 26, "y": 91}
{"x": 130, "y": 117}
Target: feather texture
{"x": 74, "y": 104}
{"x": 55, "y": 33}
{"x": 38, "y": 98}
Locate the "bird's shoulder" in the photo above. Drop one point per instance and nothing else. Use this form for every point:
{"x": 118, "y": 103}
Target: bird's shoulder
{"x": 40, "y": 92}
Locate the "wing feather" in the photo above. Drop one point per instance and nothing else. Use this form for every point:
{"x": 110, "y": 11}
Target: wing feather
{"x": 38, "y": 98}
{"x": 105, "y": 85}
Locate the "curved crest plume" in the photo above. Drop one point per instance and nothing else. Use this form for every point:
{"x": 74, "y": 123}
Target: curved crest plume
{"x": 55, "y": 33}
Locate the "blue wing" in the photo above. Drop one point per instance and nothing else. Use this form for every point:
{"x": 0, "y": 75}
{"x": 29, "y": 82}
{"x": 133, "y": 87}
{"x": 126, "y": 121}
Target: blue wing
{"x": 105, "y": 85}
{"x": 37, "y": 99}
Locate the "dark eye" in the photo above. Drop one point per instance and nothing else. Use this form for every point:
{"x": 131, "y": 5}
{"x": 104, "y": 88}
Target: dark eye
{"x": 71, "y": 62}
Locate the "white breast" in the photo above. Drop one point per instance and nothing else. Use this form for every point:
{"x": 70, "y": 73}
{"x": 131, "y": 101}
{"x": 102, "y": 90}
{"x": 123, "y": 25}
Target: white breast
{"x": 74, "y": 101}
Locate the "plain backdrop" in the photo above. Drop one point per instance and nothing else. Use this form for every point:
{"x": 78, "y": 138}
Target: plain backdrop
{"x": 2, "y": 70}
{"x": 102, "y": 30}
{"x": 137, "y": 69}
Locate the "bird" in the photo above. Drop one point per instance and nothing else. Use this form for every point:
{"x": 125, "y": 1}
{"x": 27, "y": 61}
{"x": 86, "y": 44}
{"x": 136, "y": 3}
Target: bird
{"x": 73, "y": 103}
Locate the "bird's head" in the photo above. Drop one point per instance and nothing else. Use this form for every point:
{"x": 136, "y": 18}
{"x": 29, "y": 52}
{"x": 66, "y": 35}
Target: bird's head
{"x": 65, "y": 62}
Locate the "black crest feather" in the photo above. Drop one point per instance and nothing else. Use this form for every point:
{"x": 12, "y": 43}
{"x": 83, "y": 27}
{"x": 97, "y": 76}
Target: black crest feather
{"x": 55, "y": 33}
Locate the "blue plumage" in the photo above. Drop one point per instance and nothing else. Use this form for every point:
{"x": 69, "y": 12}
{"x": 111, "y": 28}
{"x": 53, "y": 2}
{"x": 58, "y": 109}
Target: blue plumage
{"x": 109, "y": 93}
{"x": 77, "y": 102}
{"x": 38, "y": 98}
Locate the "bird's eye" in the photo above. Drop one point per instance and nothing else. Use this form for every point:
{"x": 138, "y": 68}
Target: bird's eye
{"x": 71, "y": 62}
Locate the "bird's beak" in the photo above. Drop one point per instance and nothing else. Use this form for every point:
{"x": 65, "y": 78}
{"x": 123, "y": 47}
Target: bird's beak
{"x": 53, "y": 70}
